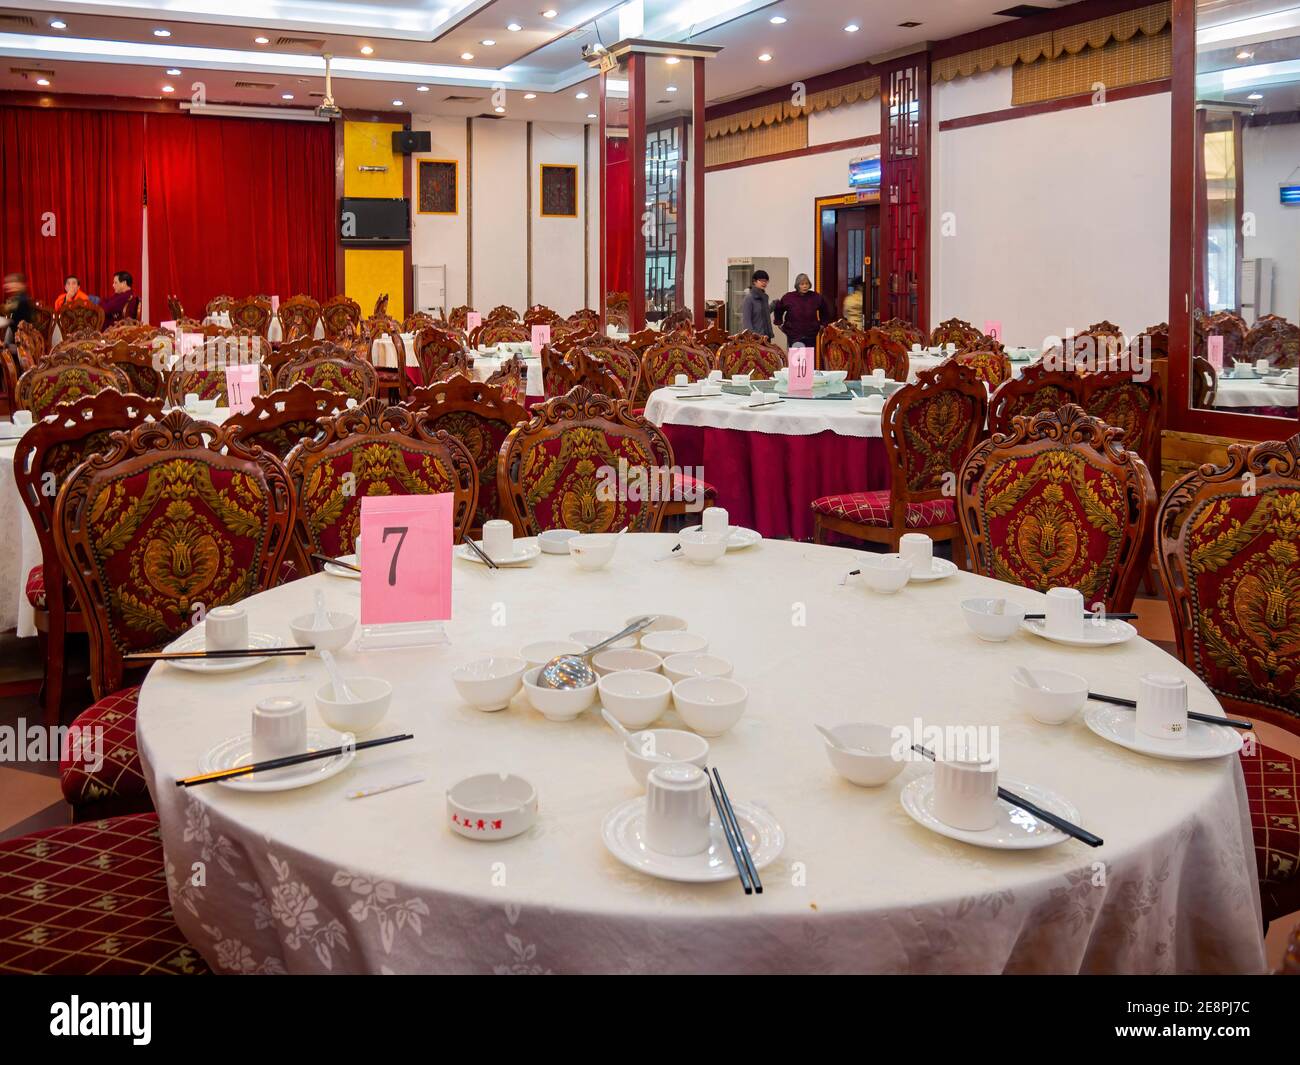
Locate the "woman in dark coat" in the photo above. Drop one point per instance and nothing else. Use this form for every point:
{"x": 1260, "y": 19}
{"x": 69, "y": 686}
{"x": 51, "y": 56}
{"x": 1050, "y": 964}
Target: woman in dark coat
{"x": 801, "y": 314}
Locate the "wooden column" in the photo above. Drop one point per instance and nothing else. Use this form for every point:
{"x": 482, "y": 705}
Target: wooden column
{"x": 905, "y": 189}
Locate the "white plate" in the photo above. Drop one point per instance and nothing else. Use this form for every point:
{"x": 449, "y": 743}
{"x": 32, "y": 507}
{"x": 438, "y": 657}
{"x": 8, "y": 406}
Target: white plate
{"x": 624, "y": 833}
{"x": 525, "y": 550}
{"x": 939, "y": 569}
{"x": 1014, "y": 830}
{"x": 1200, "y": 741}
{"x": 238, "y": 750}
{"x": 739, "y": 537}
{"x": 1104, "y": 634}
{"x": 343, "y": 571}
{"x": 193, "y": 641}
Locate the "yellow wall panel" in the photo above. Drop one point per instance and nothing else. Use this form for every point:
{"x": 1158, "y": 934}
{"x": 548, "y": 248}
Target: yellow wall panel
{"x": 369, "y": 272}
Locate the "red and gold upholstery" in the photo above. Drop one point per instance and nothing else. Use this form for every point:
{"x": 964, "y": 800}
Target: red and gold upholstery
{"x": 354, "y": 378}
{"x": 91, "y": 900}
{"x": 375, "y": 450}
{"x": 1273, "y": 793}
{"x": 1275, "y": 339}
{"x": 956, "y": 331}
{"x": 279, "y": 420}
{"x": 1118, "y": 398}
{"x": 756, "y": 356}
{"x": 903, "y": 331}
{"x": 879, "y": 351}
{"x": 561, "y": 469}
{"x": 31, "y": 345}
{"x": 585, "y": 320}
{"x": 100, "y": 779}
{"x": 1232, "y": 327}
{"x": 74, "y": 317}
{"x": 662, "y": 362}
{"x": 502, "y": 313}
{"x": 174, "y": 518}
{"x": 34, "y": 588}
{"x": 841, "y": 348}
{"x": 1096, "y": 348}
{"x": 991, "y": 367}
{"x": 619, "y": 359}
{"x": 499, "y": 331}
{"x": 206, "y": 376}
{"x": 459, "y": 316}
{"x": 65, "y": 377}
{"x": 929, "y": 428}
{"x": 140, "y": 358}
{"x": 1038, "y": 388}
{"x": 434, "y": 348}
{"x": 218, "y": 304}
{"x": 480, "y": 417}
{"x": 341, "y": 318}
{"x": 1056, "y": 502}
{"x": 252, "y": 313}
{"x": 298, "y": 317}
{"x": 511, "y": 377}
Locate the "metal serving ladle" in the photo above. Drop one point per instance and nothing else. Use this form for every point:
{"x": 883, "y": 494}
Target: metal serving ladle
{"x": 572, "y": 671}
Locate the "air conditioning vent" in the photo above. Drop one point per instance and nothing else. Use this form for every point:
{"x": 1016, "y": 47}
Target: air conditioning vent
{"x": 16, "y": 22}
{"x": 494, "y": 117}
{"x": 31, "y": 73}
{"x": 1022, "y": 11}
{"x": 462, "y": 99}
{"x": 254, "y": 85}
{"x": 313, "y": 44}
{"x": 909, "y": 25}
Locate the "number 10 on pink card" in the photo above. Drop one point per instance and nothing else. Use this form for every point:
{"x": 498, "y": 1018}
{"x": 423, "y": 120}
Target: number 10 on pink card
{"x": 406, "y": 559}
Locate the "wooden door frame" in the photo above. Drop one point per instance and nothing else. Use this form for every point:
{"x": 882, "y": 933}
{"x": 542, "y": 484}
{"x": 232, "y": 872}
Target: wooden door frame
{"x": 820, "y": 203}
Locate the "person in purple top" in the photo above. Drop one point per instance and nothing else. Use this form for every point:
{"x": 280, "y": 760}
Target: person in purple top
{"x": 801, "y": 314}
{"x": 123, "y": 303}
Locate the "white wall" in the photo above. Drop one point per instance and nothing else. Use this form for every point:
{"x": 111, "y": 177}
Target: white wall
{"x": 861, "y": 119}
{"x": 439, "y": 239}
{"x": 557, "y": 242}
{"x": 499, "y": 175}
{"x": 1269, "y": 156}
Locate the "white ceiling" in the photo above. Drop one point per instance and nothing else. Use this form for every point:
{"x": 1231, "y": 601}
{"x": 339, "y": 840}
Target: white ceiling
{"x": 109, "y": 48}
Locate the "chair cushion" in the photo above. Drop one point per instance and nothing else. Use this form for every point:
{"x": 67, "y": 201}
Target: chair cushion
{"x": 872, "y": 508}
{"x": 684, "y": 483}
{"x": 120, "y": 776}
{"x": 35, "y": 589}
{"x": 1273, "y": 791}
{"x": 90, "y": 899}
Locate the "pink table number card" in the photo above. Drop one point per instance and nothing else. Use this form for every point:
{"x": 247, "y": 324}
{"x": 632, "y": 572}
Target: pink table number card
{"x": 993, "y": 330}
{"x": 405, "y": 569}
{"x": 541, "y": 337}
{"x": 801, "y": 371}
{"x": 1214, "y": 349}
{"x": 242, "y": 384}
{"x": 472, "y": 321}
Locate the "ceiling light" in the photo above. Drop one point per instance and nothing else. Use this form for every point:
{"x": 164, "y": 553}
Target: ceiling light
{"x": 172, "y": 72}
{"x": 42, "y": 82}
{"x": 499, "y": 110}
{"x": 286, "y": 96}
{"x": 488, "y": 43}
{"x": 530, "y": 96}
{"x": 514, "y": 27}
{"x": 467, "y": 55}
{"x": 58, "y": 24}
{"x": 777, "y": 20}
{"x": 261, "y": 40}
{"x": 367, "y": 50}
{"x": 672, "y": 88}
{"x": 1245, "y": 54}
{"x": 852, "y": 27}
{"x": 422, "y": 88}
{"x": 550, "y": 12}
{"x": 1255, "y": 96}
{"x": 397, "y": 103}
{"x": 766, "y": 57}
{"x": 673, "y": 60}
{"x": 168, "y": 88}
{"x": 582, "y": 96}
{"x": 162, "y": 33}
{"x": 591, "y": 116}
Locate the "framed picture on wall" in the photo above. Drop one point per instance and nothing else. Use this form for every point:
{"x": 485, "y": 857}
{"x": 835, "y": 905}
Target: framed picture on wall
{"x": 559, "y": 197}
{"x": 436, "y": 186}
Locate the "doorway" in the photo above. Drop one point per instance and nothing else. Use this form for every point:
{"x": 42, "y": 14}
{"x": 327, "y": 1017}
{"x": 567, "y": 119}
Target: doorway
{"x": 848, "y": 252}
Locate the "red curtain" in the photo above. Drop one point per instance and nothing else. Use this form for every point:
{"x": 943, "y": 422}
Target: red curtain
{"x": 238, "y": 207}
{"x": 72, "y": 184}
{"x": 618, "y": 216}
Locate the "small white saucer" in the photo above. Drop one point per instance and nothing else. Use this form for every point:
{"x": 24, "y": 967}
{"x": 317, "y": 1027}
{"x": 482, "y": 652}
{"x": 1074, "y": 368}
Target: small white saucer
{"x": 738, "y": 538}
{"x": 1095, "y": 634}
{"x": 1200, "y": 741}
{"x": 939, "y": 569}
{"x": 193, "y": 641}
{"x": 238, "y": 750}
{"x": 343, "y": 571}
{"x": 624, "y": 833}
{"x": 525, "y": 550}
{"x": 1014, "y": 830}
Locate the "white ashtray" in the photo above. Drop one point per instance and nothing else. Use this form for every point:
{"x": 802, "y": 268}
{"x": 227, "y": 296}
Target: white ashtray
{"x": 556, "y": 541}
{"x": 491, "y": 806}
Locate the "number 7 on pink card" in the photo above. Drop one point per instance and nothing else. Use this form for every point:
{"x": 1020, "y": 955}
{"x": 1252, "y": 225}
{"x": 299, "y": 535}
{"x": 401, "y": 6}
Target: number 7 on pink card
{"x": 406, "y": 545}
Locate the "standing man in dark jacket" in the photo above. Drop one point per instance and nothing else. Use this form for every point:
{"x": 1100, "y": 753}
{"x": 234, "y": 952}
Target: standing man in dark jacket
{"x": 801, "y": 314}
{"x": 756, "y": 314}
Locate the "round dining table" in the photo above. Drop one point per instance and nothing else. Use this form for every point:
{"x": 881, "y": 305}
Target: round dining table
{"x": 309, "y": 880}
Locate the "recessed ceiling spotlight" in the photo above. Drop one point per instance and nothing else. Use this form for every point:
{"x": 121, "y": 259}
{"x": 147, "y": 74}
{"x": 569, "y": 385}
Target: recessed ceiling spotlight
{"x": 766, "y": 57}
{"x": 591, "y": 116}
{"x": 488, "y": 43}
{"x": 530, "y": 96}
{"x": 673, "y": 60}
{"x": 550, "y": 12}
{"x": 1255, "y": 96}
{"x": 286, "y": 96}
{"x": 672, "y": 88}
{"x": 514, "y": 27}
{"x": 367, "y": 50}
{"x": 467, "y": 56}
{"x": 397, "y": 103}
{"x": 852, "y": 27}
{"x": 58, "y": 24}
{"x": 172, "y": 72}
{"x": 261, "y": 40}
{"x": 582, "y": 96}
{"x": 777, "y": 20}
{"x": 162, "y": 33}
{"x": 1245, "y": 54}
{"x": 168, "y": 88}
{"x": 42, "y": 82}
{"x": 422, "y": 88}
{"x": 499, "y": 110}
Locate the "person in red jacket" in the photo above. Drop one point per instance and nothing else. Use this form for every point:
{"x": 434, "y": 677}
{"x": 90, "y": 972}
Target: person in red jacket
{"x": 71, "y": 293}
{"x": 801, "y": 314}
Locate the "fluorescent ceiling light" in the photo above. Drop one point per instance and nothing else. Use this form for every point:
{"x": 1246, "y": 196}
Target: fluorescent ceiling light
{"x": 286, "y": 114}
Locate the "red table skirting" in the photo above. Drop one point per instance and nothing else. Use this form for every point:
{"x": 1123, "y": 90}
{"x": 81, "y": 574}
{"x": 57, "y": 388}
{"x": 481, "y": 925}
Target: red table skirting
{"x": 768, "y": 481}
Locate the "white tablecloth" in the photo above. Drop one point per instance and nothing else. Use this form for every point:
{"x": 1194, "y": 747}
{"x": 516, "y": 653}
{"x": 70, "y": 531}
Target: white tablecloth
{"x": 792, "y": 417}
{"x": 308, "y": 881}
{"x": 1253, "y": 393}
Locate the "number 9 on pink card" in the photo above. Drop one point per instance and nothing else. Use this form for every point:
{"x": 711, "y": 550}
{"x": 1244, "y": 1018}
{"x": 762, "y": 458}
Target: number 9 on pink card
{"x": 406, "y": 544}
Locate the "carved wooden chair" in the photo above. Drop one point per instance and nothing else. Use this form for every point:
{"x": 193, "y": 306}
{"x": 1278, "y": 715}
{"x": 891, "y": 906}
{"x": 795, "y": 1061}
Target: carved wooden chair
{"x": 499, "y": 331}
{"x": 174, "y": 308}
{"x": 1232, "y": 327}
{"x": 954, "y": 331}
{"x": 1038, "y": 388}
{"x": 759, "y": 358}
{"x": 880, "y": 351}
{"x": 387, "y": 451}
{"x": 1229, "y": 555}
{"x": 661, "y": 364}
{"x": 1118, "y": 398}
{"x": 47, "y": 453}
{"x": 991, "y": 367}
{"x": 1275, "y": 339}
{"x": 394, "y": 381}
{"x": 459, "y": 362}
{"x": 619, "y": 358}
{"x": 281, "y": 418}
{"x": 172, "y": 519}
{"x": 458, "y": 317}
{"x": 1098, "y": 347}
{"x": 143, "y": 363}
{"x": 682, "y": 318}
{"x": 417, "y": 320}
{"x": 1205, "y": 383}
{"x": 903, "y": 331}
{"x": 218, "y": 305}
{"x": 31, "y": 344}
{"x": 353, "y": 376}
{"x": 540, "y": 314}
{"x": 381, "y": 306}
{"x": 842, "y": 349}
{"x": 585, "y": 320}
{"x": 434, "y": 349}
{"x": 1153, "y": 342}
{"x": 511, "y": 377}
{"x": 252, "y": 313}
{"x": 66, "y": 376}
{"x": 75, "y": 317}
{"x": 502, "y": 313}
{"x": 929, "y": 428}
{"x": 561, "y": 469}
{"x": 203, "y": 372}
{"x": 1057, "y": 502}
{"x": 711, "y": 338}
{"x": 298, "y": 317}
{"x": 341, "y": 318}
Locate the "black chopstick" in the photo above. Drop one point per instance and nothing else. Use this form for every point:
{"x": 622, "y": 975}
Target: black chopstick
{"x": 288, "y": 760}
{"x": 1086, "y": 617}
{"x": 335, "y": 562}
{"x": 1060, "y": 823}
{"x": 740, "y": 836}
{"x": 741, "y": 869}
{"x": 225, "y": 652}
{"x": 481, "y": 553}
{"x": 1209, "y": 719}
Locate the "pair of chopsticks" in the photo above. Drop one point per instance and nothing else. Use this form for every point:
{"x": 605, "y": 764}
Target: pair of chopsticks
{"x": 481, "y": 553}
{"x": 1209, "y": 719}
{"x": 1087, "y": 617}
{"x": 231, "y": 652}
{"x": 335, "y": 562}
{"x": 735, "y": 838}
{"x": 1070, "y": 829}
{"x": 288, "y": 760}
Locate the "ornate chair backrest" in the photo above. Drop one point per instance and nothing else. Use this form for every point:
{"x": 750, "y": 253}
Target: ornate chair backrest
{"x": 43, "y": 320}
{"x": 1038, "y": 388}
{"x": 585, "y": 320}
{"x": 381, "y": 306}
{"x": 480, "y": 416}
{"x": 52, "y": 448}
{"x": 929, "y": 428}
{"x": 558, "y": 376}
{"x": 1117, "y": 397}
{"x": 417, "y": 320}
{"x": 353, "y": 376}
{"x": 281, "y": 418}
{"x": 435, "y": 348}
{"x": 843, "y": 349}
{"x": 1153, "y": 342}
{"x": 561, "y": 468}
{"x": 1099, "y": 346}
{"x": 596, "y": 373}
{"x": 499, "y": 331}
{"x": 570, "y": 340}
{"x": 502, "y": 313}
{"x": 202, "y": 372}
{"x": 682, "y": 318}
{"x": 458, "y": 362}
{"x": 619, "y": 358}
{"x": 903, "y": 331}
{"x": 140, "y": 360}
{"x": 459, "y": 316}
{"x": 218, "y": 304}
{"x": 1232, "y": 327}
{"x": 540, "y": 314}
{"x": 991, "y": 367}
{"x": 1228, "y": 545}
{"x": 298, "y": 317}
{"x": 174, "y": 518}
{"x": 341, "y": 317}
{"x": 1205, "y": 383}
{"x": 174, "y": 308}
{"x": 31, "y": 345}
{"x": 880, "y": 351}
{"x": 387, "y": 451}
{"x": 253, "y": 313}
{"x": 74, "y": 317}
{"x": 712, "y": 337}
{"x": 1275, "y": 339}
{"x": 954, "y": 331}
{"x": 64, "y": 377}
{"x": 1058, "y": 502}
{"x": 643, "y": 339}
{"x": 758, "y": 357}
{"x": 511, "y": 377}
{"x": 661, "y": 364}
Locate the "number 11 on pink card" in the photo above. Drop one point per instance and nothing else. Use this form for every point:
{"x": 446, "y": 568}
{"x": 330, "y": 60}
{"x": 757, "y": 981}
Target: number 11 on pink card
{"x": 406, "y": 547}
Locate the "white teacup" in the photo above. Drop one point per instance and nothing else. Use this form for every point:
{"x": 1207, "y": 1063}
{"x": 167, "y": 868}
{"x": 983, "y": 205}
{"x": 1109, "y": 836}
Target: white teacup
{"x": 22, "y": 418}
{"x": 918, "y": 549}
{"x": 1064, "y": 613}
{"x": 498, "y": 538}
{"x": 916, "y": 349}
{"x": 681, "y": 379}
{"x": 966, "y": 794}
{"x": 225, "y": 628}
{"x": 1261, "y": 366}
{"x": 878, "y": 376}
{"x": 677, "y": 809}
{"x": 715, "y": 375}
{"x": 191, "y": 400}
{"x": 1162, "y": 706}
{"x": 716, "y": 521}
{"x": 279, "y": 727}
{"x": 740, "y": 378}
